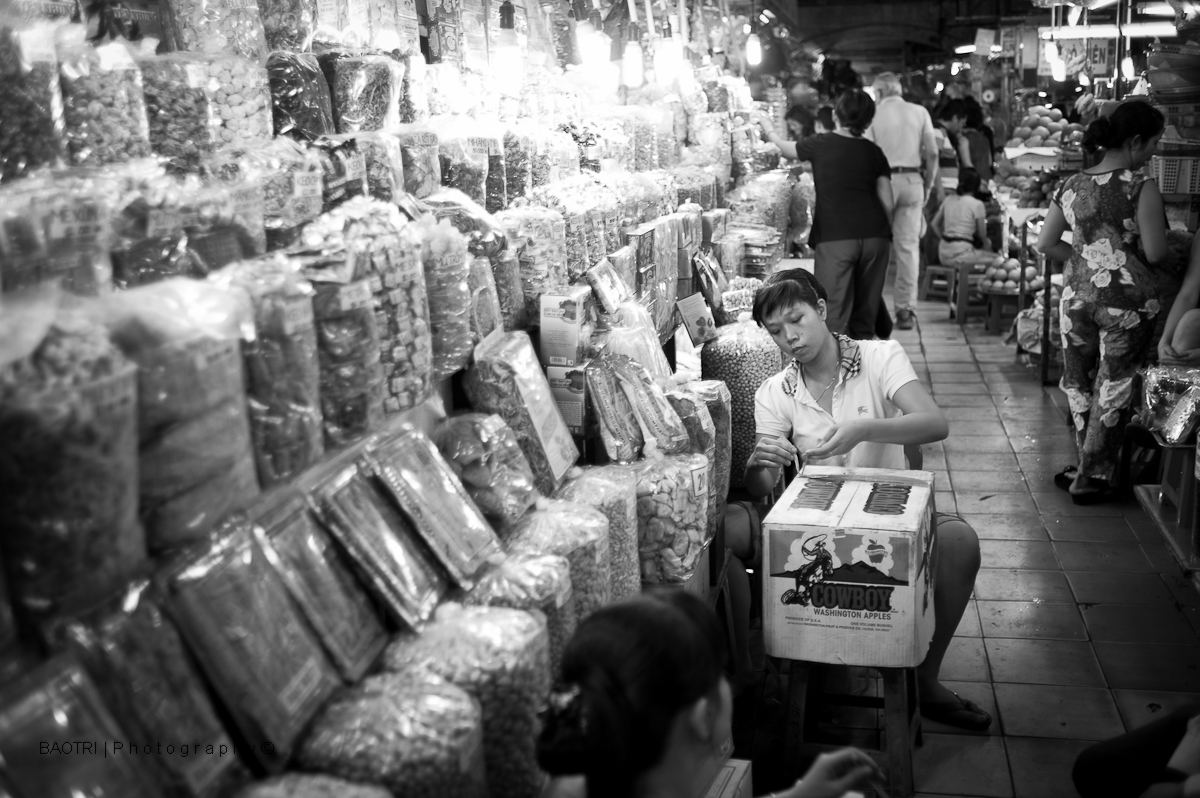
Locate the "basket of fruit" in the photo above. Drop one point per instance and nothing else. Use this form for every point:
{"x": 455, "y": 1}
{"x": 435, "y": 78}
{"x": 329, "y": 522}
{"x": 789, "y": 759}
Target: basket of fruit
{"x": 1010, "y": 277}
{"x": 1045, "y": 127}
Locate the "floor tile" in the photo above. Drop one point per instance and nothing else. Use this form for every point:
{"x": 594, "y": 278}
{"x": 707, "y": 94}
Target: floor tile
{"x": 990, "y": 526}
{"x": 1030, "y": 620}
{"x": 1139, "y": 707}
{"x": 961, "y": 375}
{"x": 976, "y": 461}
{"x": 1020, "y": 429}
{"x": 1143, "y": 527}
{"x": 978, "y": 443}
{"x": 970, "y": 388}
{"x": 969, "y": 625}
{"x": 965, "y": 661}
{"x": 934, "y": 459}
{"x": 1014, "y": 584}
{"x": 1027, "y": 554}
{"x": 975, "y": 427}
{"x": 989, "y": 481}
{"x": 998, "y": 502}
{"x": 1088, "y": 529}
{"x": 1042, "y": 768}
{"x": 1075, "y": 713}
{"x": 957, "y": 764}
{"x": 945, "y": 501}
{"x": 1044, "y": 662}
{"x": 1103, "y": 587}
{"x": 1137, "y": 623}
{"x": 1181, "y": 588}
{"x": 946, "y": 401}
{"x": 1144, "y": 667}
{"x": 941, "y": 478}
{"x": 978, "y": 692}
{"x": 1102, "y": 557}
{"x": 1032, "y": 462}
{"x": 972, "y": 413}
{"x": 1058, "y": 502}
{"x": 1161, "y": 557}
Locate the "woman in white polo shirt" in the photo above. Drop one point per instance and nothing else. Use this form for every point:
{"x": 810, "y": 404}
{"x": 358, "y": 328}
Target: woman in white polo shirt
{"x": 858, "y": 404}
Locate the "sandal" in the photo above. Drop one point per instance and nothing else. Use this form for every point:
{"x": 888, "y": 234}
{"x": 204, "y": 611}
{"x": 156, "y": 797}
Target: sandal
{"x": 1064, "y": 479}
{"x": 962, "y": 714}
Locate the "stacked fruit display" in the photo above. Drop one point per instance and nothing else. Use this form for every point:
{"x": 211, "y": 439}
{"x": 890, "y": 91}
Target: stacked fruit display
{"x": 1045, "y": 127}
{"x": 1005, "y": 278}
{"x": 1035, "y": 191}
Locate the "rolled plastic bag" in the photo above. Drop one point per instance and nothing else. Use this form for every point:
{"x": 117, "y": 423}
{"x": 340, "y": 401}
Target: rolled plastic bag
{"x": 613, "y": 491}
{"x": 632, "y": 333}
{"x": 483, "y": 452}
{"x": 577, "y": 532}
{"x": 662, "y": 429}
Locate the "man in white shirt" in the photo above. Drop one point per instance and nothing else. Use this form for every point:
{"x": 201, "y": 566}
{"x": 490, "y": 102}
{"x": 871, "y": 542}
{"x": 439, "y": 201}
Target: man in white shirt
{"x": 904, "y": 131}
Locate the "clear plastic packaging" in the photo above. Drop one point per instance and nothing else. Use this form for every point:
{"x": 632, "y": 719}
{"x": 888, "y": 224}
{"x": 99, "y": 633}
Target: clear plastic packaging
{"x": 620, "y": 432}
{"x": 31, "y": 127}
{"x": 414, "y": 104}
{"x": 215, "y": 26}
{"x": 579, "y": 533}
{"x": 447, "y": 270}
{"x": 288, "y": 25}
{"x": 306, "y": 785}
{"x": 413, "y": 733}
{"x": 632, "y": 334}
{"x": 608, "y": 287}
{"x": 251, "y": 641}
{"x": 672, "y": 517}
{"x": 510, "y": 293}
{"x": 366, "y": 93}
{"x": 507, "y": 380}
{"x": 321, "y": 582}
{"x": 344, "y": 172}
{"x": 146, "y": 676}
{"x": 400, "y": 571}
{"x": 485, "y": 236}
{"x": 702, "y": 434}
{"x": 464, "y": 158}
{"x": 1168, "y": 409}
{"x": 539, "y": 235}
{"x": 662, "y": 429}
{"x": 300, "y": 99}
{"x": 385, "y": 167}
{"x": 291, "y": 178}
{"x": 501, "y": 657}
{"x": 68, "y": 411}
{"x": 426, "y": 488}
{"x": 612, "y": 490}
{"x": 486, "y": 316}
{"x": 56, "y": 706}
{"x": 283, "y": 377}
{"x": 717, "y": 400}
{"x": 518, "y": 163}
{"x": 422, "y": 161}
{"x": 484, "y": 454}
{"x": 104, "y": 109}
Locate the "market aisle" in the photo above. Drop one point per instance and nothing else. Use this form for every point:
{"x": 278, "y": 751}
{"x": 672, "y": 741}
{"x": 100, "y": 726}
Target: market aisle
{"x": 1082, "y": 625}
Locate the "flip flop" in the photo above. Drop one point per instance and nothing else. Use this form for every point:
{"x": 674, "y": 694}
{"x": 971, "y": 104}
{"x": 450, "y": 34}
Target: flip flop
{"x": 1064, "y": 479}
{"x": 962, "y": 714}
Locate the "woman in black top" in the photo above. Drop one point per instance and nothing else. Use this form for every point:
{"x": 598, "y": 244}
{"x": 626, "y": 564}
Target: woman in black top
{"x": 852, "y": 228}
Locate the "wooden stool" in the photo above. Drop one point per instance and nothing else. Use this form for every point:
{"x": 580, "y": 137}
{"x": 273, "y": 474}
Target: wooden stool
{"x": 967, "y": 289}
{"x": 901, "y": 704}
{"x": 1179, "y": 482}
{"x": 996, "y": 304}
{"x": 938, "y": 282}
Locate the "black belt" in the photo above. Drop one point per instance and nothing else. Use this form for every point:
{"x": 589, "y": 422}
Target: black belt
{"x": 905, "y": 170}
{"x": 970, "y": 241}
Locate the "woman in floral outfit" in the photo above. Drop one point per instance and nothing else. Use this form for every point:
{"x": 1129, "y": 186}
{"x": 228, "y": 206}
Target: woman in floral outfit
{"x": 1108, "y": 305}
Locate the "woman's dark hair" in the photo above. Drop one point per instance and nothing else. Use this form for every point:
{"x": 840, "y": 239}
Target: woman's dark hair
{"x": 974, "y": 112}
{"x": 1130, "y": 119}
{"x": 825, "y": 116}
{"x": 952, "y": 109}
{"x": 636, "y": 665}
{"x": 855, "y": 109}
{"x": 968, "y": 182}
{"x": 784, "y": 289}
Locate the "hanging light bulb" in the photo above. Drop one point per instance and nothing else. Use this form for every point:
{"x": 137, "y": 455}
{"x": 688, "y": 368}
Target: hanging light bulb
{"x": 940, "y": 87}
{"x": 1084, "y": 79}
{"x": 508, "y": 59}
{"x": 1127, "y": 68}
{"x": 632, "y": 69}
{"x": 1058, "y": 70}
{"x": 754, "y": 51}
{"x": 668, "y": 60}
{"x": 1052, "y": 51}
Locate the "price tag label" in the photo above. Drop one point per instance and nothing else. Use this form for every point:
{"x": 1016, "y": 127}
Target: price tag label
{"x": 306, "y": 184}
{"x": 114, "y": 57}
{"x": 355, "y": 296}
{"x": 356, "y": 167}
{"x": 297, "y": 315}
{"x": 36, "y": 47}
{"x": 197, "y": 76}
{"x": 419, "y": 139}
{"x": 162, "y": 222}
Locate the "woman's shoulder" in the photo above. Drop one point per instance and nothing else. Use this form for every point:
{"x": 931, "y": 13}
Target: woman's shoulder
{"x": 878, "y": 352}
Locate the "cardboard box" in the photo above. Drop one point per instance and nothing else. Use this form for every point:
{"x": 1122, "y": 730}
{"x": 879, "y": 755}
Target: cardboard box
{"x": 698, "y": 318}
{"x": 568, "y": 386}
{"x": 736, "y": 780}
{"x": 564, "y": 325}
{"x": 846, "y": 558}
{"x": 713, "y": 765}
{"x": 641, "y": 240}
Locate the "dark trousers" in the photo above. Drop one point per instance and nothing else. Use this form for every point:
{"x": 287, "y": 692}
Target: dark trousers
{"x": 853, "y": 273}
{"x": 1126, "y": 766}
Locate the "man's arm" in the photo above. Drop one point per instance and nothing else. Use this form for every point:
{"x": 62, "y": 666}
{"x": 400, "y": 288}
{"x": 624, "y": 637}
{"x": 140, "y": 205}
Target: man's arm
{"x": 929, "y": 154}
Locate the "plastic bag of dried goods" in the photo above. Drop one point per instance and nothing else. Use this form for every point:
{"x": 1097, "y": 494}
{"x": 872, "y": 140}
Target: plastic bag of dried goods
{"x": 742, "y": 357}
{"x": 422, "y": 160}
{"x": 31, "y": 127}
{"x": 306, "y": 785}
{"x": 68, "y": 411}
{"x": 426, "y": 488}
{"x": 384, "y": 165}
{"x": 612, "y": 490}
{"x": 413, "y": 733}
{"x": 104, "y": 108}
{"x": 484, "y": 233}
{"x": 1167, "y": 408}
{"x": 484, "y": 454}
{"x": 463, "y": 158}
{"x": 577, "y": 532}
{"x": 486, "y": 315}
{"x": 672, "y": 517}
{"x": 300, "y": 99}
{"x": 717, "y": 400}
{"x": 321, "y": 581}
{"x": 529, "y": 582}
{"x": 366, "y": 93}
{"x": 402, "y": 573}
{"x": 632, "y": 333}
{"x": 283, "y": 376}
{"x": 344, "y": 172}
{"x": 291, "y": 178}
{"x": 57, "y": 706}
{"x": 608, "y": 286}
{"x": 288, "y": 25}
{"x": 539, "y": 236}
{"x": 447, "y": 269}
{"x": 518, "y": 162}
{"x": 702, "y": 435}
{"x": 146, "y": 676}
{"x": 204, "y": 26}
{"x": 510, "y": 293}
{"x": 496, "y": 185}
{"x": 507, "y": 380}
{"x": 501, "y": 657}
{"x": 619, "y": 430}
{"x": 662, "y": 430}
{"x": 251, "y": 641}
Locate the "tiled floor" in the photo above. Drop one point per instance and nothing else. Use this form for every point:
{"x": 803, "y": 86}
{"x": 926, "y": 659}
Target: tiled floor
{"x": 1081, "y": 626}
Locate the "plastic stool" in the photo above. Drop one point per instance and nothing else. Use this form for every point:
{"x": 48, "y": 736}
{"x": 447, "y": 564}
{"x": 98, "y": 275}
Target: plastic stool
{"x": 938, "y": 282}
{"x": 901, "y": 705}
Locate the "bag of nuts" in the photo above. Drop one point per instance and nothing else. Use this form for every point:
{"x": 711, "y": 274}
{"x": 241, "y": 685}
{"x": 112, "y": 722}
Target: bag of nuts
{"x": 483, "y": 452}
{"x": 577, "y": 532}
{"x": 31, "y": 127}
{"x": 501, "y": 657}
{"x": 672, "y": 517}
{"x": 413, "y": 733}
{"x": 702, "y": 434}
{"x": 104, "y": 110}
{"x": 612, "y": 490}
{"x": 215, "y": 26}
{"x": 717, "y": 400}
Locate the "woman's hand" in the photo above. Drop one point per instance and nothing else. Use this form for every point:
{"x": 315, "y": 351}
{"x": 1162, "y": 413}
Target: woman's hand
{"x": 772, "y": 453}
{"x": 1167, "y": 356}
{"x": 833, "y": 774}
{"x": 840, "y": 439}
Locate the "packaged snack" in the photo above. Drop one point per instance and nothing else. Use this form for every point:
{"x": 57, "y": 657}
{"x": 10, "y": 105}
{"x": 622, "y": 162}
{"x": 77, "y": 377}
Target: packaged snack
{"x": 577, "y": 532}
{"x": 518, "y": 167}
{"x": 412, "y": 733}
{"x": 344, "y": 172}
{"x": 419, "y": 480}
{"x": 716, "y": 397}
{"x": 300, "y": 99}
{"x": 486, "y": 316}
{"x": 447, "y": 268}
{"x": 421, "y": 158}
{"x": 485, "y": 235}
{"x": 288, "y": 25}
{"x": 402, "y": 573}
{"x": 31, "y": 127}
{"x": 540, "y": 236}
{"x": 321, "y": 582}
{"x": 385, "y": 167}
{"x": 291, "y": 177}
{"x": 631, "y": 333}
{"x": 366, "y": 93}
{"x": 57, "y": 705}
{"x": 464, "y": 158}
{"x": 68, "y": 408}
{"x": 672, "y": 517}
{"x": 501, "y": 657}
{"x": 613, "y": 491}
{"x": 506, "y": 379}
{"x": 608, "y": 287}
{"x": 146, "y": 676}
{"x": 414, "y": 104}
{"x": 702, "y": 434}
{"x": 510, "y": 293}
{"x": 104, "y": 110}
{"x": 662, "y": 430}
{"x": 213, "y": 26}
{"x": 304, "y": 785}
{"x": 619, "y": 430}
{"x": 496, "y": 186}
{"x": 484, "y": 454}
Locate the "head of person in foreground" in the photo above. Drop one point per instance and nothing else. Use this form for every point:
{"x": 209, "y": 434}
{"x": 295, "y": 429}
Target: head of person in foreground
{"x": 791, "y": 306}
{"x": 1134, "y": 127}
{"x": 647, "y": 705}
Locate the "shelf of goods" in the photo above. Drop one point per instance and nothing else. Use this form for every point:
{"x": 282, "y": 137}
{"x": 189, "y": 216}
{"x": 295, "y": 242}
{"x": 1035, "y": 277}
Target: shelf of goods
{"x": 318, "y": 362}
